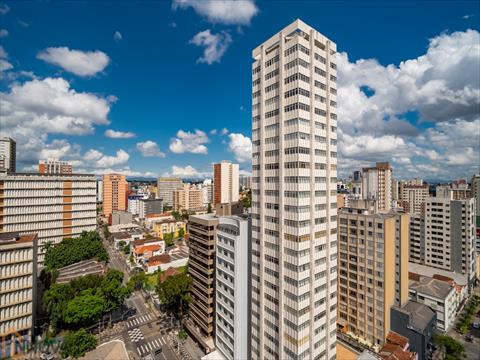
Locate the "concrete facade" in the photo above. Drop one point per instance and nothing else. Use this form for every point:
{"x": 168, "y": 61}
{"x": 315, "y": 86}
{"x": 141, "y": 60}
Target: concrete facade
{"x": 115, "y": 188}
{"x": 225, "y": 182}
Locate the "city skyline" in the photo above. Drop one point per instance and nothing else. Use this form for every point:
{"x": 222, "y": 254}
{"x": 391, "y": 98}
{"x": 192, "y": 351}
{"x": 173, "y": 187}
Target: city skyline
{"x": 423, "y": 117}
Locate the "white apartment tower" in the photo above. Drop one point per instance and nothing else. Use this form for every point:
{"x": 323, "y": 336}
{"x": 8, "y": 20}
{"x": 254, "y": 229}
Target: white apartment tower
{"x": 294, "y": 210}
{"x": 8, "y": 153}
{"x": 225, "y": 183}
{"x": 377, "y": 185}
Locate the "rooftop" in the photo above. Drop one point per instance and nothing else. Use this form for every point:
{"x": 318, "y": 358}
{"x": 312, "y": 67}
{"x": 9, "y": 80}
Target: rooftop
{"x": 430, "y": 286}
{"x": 460, "y": 279}
{"x": 15, "y": 237}
{"x": 420, "y": 315}
{"x": 79, "y": 269}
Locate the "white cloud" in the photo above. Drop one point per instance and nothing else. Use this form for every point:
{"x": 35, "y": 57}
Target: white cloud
{"x": 4, "y": 64}
{"x": 189, "y": 142}
{"x": 106, "y": 161}
{"x": 186, "y": 172}
{"x": 113, "y": 134}
{"x": 229, "y": 12}
{"x": 23, "y": 23}
{"x": 215, "y": 45}
{"x": 224, "y": 131}
{"x": 4, "y": 8}
{"x": 150, "y": 149}
{"x": 213, "y": 132}
{"x": 241, "y": 146}
{"x": 117, "y": 36}
{"x": 81, "y": 63}
{"x": 468, "y": 16}
{"x": 3, "y": 33}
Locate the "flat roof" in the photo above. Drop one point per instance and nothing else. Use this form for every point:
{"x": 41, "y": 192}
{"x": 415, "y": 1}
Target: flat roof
{"x": 430, "y": 286}
{"x": 460, "y": 279}
{"x": 420, "y": 314}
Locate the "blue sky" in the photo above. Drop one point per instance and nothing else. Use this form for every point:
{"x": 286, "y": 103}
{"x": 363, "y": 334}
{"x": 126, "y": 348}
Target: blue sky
{"x": 140, "y": 68}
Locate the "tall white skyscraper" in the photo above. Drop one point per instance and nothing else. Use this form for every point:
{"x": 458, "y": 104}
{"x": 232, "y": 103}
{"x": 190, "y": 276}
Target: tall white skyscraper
{"x": 294, "y": 210}
{"x": 8, "y": 153}
{"x": 225, "y": 183}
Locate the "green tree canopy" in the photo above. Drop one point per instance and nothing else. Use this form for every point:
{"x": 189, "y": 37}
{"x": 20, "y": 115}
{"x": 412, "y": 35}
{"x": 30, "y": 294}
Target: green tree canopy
{"x": 174, "y": 292}
{"x": 181, "y": 232}
{"x": 77, "y": 343}
{"x": 84, "y": 309}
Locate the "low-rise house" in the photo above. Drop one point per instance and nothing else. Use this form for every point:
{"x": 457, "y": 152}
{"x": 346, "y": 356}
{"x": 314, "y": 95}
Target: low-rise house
{"x": 169, "y": 226}
{"x": 397, "y": 347}
{"x": 439, "y": 295}
{"x": 175, "y": 257}
{"x": 127, "y": 237}
{"x": 151, "y": 219}
{"x": 144, "y": 249}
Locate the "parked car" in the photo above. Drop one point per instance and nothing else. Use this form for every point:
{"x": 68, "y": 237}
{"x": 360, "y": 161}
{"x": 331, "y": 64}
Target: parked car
{"x": 469, "y": 338}
{"x": 476, "y": 325}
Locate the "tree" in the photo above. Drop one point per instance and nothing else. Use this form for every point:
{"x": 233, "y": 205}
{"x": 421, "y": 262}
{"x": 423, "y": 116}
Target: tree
{"x": 174, "y": 293}
{"x": 247, "y": 199}
{"x": 112, "y": 290}
{"x": 84, "y": 309}
{"x": 176, "y": 215}
{"x": 209, "y": 208}
{"x": 168, "y": 239}
{"x": 77, "y": 343}
{"x": 181, "y": 232}
{"x": 453, "y": 349}
{"x": 138, "y": 281}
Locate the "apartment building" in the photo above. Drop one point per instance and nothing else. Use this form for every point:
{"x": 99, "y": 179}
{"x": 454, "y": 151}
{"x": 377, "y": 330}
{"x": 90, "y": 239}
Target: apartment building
{"x": 115, "y": 190}
{"x": 52, "y": 166}
{"x": 207, "y": 189}
{"x": 166, "y": 187}
{"x": 150, "y": 206}
{"x": 52, "y": 206}
{"x": 18, "y": 276}
{"x": 294, "y": 210}
{"x": 377, "y": 185}
{"x": 201, "y": 267}
{"x": 232, "y": 276}
{"x": 188, "y": 198}
{"x": 225, "y": 182}
{"x": 413, "y": 198}
{"x": 476, "y": 192}
{"x": 450, "y": 234}
{"x": 8, "y": 154}
{"x": 417, "y": 238}
{"x": 373, "y": 272}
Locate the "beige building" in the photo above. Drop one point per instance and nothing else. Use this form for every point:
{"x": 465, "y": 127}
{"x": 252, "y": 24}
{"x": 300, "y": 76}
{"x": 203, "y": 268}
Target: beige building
{"x": 188, "y": 198}
{"x": 18, "y": 279}
{"x": 294, "y": 195}
{"x": 8, "y": 154}
{"x": 115, "y": 189}
{"x": 166, "y": 187}
{"x": 201, "y": 267}
{"x": 54, "y": 167}
{"x": 417, "y": 238}
{"x": 225, "y": 183}
{"x": 377, "y": 185}
{"x": 373, "y": 274}
{"x": 413, "y": 198}
{"x": 53, "y": 206}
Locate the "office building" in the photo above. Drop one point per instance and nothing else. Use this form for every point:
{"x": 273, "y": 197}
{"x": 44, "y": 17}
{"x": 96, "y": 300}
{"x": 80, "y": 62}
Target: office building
{"x": 189, "y": 198}
{"x": 150, "y": 206}
{"x": 99, "y": 191}
{"x": 294, "y": 210}
{"x": 395, "y": 189}
{"x": 52, "y": 206}
{"x": 120, "y": 217}
{"x": 18, "y": 285}
{"x": 413, "y": 198}
{"x": 225, "y": 182}
{"x": 476, "y": 193}
{"x": 232, "y": 276}
{"x": 207, "y": 189}
{"x": 115, "y": 190}
{"x": 52, "y": 166}
{"x": 450, "y": 234}
{"x": 8, "y": 154}
{"x": 373, "y": 272}
{"x": 377, "y": 185}
{"x": 245, "y": 181}
{"x": 166, "y": 187}
{"x": 201, "y": 267}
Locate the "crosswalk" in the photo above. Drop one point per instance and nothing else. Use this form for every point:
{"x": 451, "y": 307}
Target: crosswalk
{"x": 147, "y": 348}
{"x": 135, "y": 335}
{"x": 136, "y": 321}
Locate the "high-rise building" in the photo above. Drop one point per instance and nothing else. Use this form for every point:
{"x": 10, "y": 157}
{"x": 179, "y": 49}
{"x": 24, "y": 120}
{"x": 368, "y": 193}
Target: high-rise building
{"x": 99, "y": 191}
{"x": 207, "y": 189}
{"x": 18, "y": 284}
{"x": 166, "y": 187}
{"x": 52, "y": 166}
{"x": 417, "y": 238}
{"x": 294, "y": 210}
{"x": 377, "y": 185}
{"x": 53, "y": 206}
{"x": 245, "y": 181}
{"x": 413, "y": 198}
{"x": 115, "y": 188}
{"x": 188, "y": 198}
{"x": 225, "y": 183}
{"x": 150, "y": 206}
{"x": 232, "y": 276}
{"x": 201, "y": 267}
{"x": 476, "y": 193}
{"x": 373, "y": 271}
{"x": 450, "y": 234}
{"x": 8, "y": 154}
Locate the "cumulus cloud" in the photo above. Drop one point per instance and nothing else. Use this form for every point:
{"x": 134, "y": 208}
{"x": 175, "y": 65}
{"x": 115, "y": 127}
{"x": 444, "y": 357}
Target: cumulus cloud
{"x": 150, "y": 149}
{"x": 4, "y": 8}
{"x": 241, "y": 147}
{"x": 3, "y": 33}
{"x": 189, "y": 142}
{"x": 439, "y": 94}
{"x": 113, "y": 134}
{"x": 81, "y": 63}
{"x": 106, "y": 161}
{"x": 229, "y": 12}
{"x": 186, "y": 172}
{"x": 215, "y": 45}
{"x": 117, "y": 36}
{"x": 4, "y": 64}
